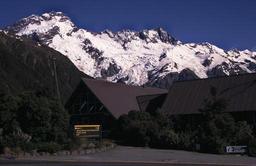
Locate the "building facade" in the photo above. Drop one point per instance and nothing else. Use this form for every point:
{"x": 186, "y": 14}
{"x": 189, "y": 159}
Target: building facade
{"x": 98, "y": 102}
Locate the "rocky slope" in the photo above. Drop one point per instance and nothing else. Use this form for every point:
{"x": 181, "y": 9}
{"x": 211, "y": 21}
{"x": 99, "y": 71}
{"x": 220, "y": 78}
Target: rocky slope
{"x": 149, "y": 57}
{"x": 25, "y": 65}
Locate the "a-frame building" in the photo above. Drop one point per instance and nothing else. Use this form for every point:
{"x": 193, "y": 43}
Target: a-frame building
{"x": 101, "y": 102}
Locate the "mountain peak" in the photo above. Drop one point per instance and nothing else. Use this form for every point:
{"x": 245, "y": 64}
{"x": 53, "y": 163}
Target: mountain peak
{"x": 160, "y": 30}
{"x": 165, "y": 36}
{"x": 54, "y": 13}
{"x": 149, "y": 56}
{"x": 153, "y": 35}
{"x": 52, "y": 23}
{"x": 57, "y": 15}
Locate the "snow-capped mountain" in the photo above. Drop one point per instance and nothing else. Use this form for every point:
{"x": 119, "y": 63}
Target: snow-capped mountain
{"x": 151, "y": 57}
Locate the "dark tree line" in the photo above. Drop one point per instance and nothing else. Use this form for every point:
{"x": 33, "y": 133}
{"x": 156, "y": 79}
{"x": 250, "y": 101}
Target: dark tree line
{"x": 32, "y": 120}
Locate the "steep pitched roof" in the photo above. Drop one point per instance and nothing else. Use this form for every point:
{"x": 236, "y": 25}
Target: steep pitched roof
{"x": 119, "y": 98}
{"x": 187, "y": 97}
{"x": 151, "y": 103}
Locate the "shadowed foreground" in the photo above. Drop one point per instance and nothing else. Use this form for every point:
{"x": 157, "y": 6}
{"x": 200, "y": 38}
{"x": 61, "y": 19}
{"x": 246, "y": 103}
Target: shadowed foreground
{"x": 126, "y": 156}
{"x": 74, "y": 163}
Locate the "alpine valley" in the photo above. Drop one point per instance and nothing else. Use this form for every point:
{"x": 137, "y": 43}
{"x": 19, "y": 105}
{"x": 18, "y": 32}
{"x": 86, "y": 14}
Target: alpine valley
{"x": 150, "y": 57}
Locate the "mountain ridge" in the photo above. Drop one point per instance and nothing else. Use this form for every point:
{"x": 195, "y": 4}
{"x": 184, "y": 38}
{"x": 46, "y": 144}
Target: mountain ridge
{"x": 149, "y": 57}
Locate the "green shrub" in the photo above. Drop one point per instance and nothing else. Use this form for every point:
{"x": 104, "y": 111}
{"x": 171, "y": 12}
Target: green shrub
{"x": 72, "y": 144}
{"x": 50, "y": 147}
{"x": 252, "y": 147}
{"x": 28, "y": 146}
{"x": 43, "y": 118}
{"x": 1, "y": 147}
{"x": 31, "y": 118}
{"x": 168, "y": 139}
{"x": 136, "y": 128}
{"x": 243, "y": 133}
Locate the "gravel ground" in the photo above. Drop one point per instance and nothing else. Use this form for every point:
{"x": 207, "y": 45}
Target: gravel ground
{"x": 134, "y": 154}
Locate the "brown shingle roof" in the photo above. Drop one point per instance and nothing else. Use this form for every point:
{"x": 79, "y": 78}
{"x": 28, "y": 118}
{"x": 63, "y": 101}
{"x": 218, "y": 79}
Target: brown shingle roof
{"x": 187, "y": 97}
{"x": 119, "y": 98}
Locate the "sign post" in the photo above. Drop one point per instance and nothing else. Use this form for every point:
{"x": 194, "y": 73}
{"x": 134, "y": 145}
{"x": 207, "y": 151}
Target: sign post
{"x": 236, "y": 149}
{"x": 88, "y": 131}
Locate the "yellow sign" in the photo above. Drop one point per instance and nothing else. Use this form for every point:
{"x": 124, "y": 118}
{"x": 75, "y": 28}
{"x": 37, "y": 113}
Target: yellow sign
{"x": 88, "y": 131}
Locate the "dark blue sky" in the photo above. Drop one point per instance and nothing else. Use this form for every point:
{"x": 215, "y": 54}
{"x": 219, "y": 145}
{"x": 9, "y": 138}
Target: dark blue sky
{"x": 226, "y": 23}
